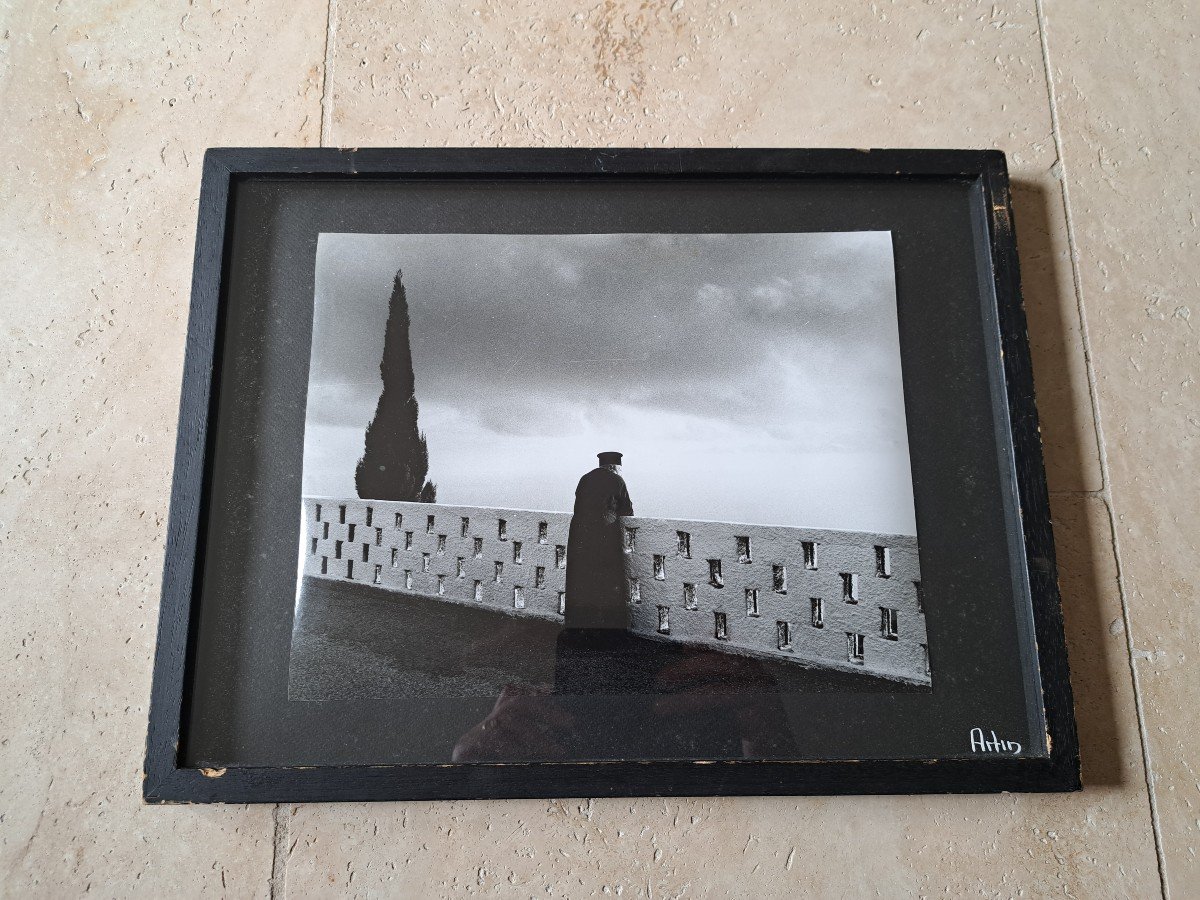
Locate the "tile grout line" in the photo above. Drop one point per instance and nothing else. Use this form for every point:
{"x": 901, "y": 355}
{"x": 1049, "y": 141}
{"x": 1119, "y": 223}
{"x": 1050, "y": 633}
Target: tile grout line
{"x": 1105, "y": 492}
{"x": 277, "y": 886}
{"x": 280, "y": 832}
{"x": 326, "y": 74}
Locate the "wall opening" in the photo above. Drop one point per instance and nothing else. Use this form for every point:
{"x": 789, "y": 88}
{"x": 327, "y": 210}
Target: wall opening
{"x": 562, "y": 603}
{"x": 408, "y": 540}
{"x": 464, "y": 526}
{"x": 350, "y": 532}
{"x": 883, "y": 562}
{"x": 818, "y": 612}
{"x": 516, "y": 545}
{"x": 459, "y": 571}
{"x": 539, "y": 576}
{"x": 714, "y": 573}
{"x": 543, "y": 532}
{"x": 779, "y": 579}
{"x": 720, "y": 627}
{"x": 630, "y": 540}
{"x": 477, "y": 549}
{"x": 477, "y": 590}
{"x": 809, "y": 548}
{"x": 660, "y": 567}
{"x": 783, "y": 635}
{"x": 424, "y": 562}
{"x": 349, "y": 568}
{"x": 743, "y": 549}
{"x": 752, "y": 601}
{"x": 429, "y": 524}
{"x": 502, "y": 529}
{"x": 324, "y": 531}
{"x": 441, "y": 585}
{"x": 560, "y": 556}
{"x": 684, "y": 544}
{"x": 849, "y": 587}
{"x": 341, "y": 515}
{"x": 635, "y": 591}
{"x": 324, "y": 565}
{"x": 337, "y": 549}
{"x": 378, "y": 575}
{"x": 518, "y": 597}
{"x": 664, "y": 620}
{"x": 399, "y": 520}
{"x": 395, "y": 557}
{"x": 366, "y": 552}
{"x": 855, "y": 648}
{"x": 498, "y": 572}
{"x": 689, "y": 596}
{"x": 318, "y": 512}
{"x": 441, "y": 545}
{"x": 920, "y": 596}
{"x": 314, "y": 546}
{"x": 408, "y": 579}
{"x": 889, "y": 627}
{"x": 378, "y": 537}
{"x": 370, "y": 515}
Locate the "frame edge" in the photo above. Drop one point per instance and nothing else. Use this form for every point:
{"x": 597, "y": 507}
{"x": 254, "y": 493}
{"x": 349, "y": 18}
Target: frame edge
{"x": 1030, "y": 477}
{"x": 165, "y": 782}
{"x": 189, "y": 477}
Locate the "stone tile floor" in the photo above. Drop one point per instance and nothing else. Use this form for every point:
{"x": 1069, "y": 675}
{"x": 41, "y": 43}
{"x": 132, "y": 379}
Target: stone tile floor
{"x": 108, "y": 108}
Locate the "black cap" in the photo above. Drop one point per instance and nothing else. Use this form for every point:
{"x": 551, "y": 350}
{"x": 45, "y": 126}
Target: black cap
{"x": 609, "y": 458}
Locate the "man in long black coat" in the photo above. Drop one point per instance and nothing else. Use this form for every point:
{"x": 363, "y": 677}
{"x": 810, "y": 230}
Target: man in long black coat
{"x": 597, "y": 580}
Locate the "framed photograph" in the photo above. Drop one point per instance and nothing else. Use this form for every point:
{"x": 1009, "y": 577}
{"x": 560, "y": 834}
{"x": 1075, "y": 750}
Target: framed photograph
{"x": 529, "y": 473}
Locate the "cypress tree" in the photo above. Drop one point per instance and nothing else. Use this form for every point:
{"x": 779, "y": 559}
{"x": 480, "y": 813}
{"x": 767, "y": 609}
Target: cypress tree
{"x": 395, "y": 459}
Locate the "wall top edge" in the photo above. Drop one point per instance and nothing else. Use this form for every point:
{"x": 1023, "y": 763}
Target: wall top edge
{"x": 897, "y": 538}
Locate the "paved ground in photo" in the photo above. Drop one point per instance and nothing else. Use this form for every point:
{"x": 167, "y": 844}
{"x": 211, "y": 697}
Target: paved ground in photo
{"x": 354, "y": 641}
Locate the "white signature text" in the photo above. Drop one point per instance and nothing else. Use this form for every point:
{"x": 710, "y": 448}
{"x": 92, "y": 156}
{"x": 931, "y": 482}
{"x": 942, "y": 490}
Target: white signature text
{"x": 980, "y": 743}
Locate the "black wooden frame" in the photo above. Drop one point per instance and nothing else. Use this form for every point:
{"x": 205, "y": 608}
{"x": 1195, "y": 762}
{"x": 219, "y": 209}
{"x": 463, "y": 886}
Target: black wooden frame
{"x": 166, "y": 781}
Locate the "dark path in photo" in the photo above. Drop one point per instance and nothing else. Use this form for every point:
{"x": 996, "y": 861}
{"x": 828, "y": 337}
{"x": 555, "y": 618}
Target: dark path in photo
{"x": 355, "y": 642}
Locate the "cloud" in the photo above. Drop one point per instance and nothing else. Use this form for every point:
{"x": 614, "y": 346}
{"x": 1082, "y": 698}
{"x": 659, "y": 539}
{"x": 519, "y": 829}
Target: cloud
{"x": 781, "y": 342}
{"x": 638, "y": 319}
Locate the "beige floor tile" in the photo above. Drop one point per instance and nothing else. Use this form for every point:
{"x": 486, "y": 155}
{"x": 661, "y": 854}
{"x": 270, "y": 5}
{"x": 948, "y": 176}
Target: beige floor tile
{"x": 107, "y": 110}
{"x": 1126, "y": 85}
{"x": 691, "y": 73}
{"x": 746, "y": 74}
{"x": 1093, "y": 844}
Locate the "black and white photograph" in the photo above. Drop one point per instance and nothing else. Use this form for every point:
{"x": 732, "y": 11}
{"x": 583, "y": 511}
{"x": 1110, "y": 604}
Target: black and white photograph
{"x": 606, "y": 464}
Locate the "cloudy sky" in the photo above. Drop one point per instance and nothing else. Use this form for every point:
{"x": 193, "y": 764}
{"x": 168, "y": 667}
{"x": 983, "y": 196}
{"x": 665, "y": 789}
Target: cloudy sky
{"x": 746, "y": 377}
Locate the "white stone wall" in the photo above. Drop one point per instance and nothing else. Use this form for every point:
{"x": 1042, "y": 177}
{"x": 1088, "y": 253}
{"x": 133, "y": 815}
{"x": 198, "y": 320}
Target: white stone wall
{"x": 742, "y": 588}
{"x": 462, "y": 554}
